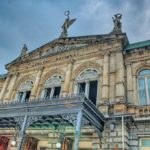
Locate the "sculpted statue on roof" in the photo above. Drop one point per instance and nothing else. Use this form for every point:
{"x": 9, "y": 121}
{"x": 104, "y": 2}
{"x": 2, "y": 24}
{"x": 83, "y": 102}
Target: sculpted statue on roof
{"x": 66, "y": 25}
{"x": 24, "y": 50}
{"x": 117, "y": 23}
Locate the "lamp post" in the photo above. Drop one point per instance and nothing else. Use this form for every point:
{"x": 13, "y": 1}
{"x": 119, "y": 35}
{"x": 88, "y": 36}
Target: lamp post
{"x": 61, "y": 130}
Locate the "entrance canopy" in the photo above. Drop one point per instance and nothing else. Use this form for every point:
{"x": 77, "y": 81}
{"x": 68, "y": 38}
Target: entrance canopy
{"x": 76, "y": 111}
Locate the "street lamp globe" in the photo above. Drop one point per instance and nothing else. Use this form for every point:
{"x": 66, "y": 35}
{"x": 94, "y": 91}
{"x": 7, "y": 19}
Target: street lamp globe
{"x": 58, "y": 145}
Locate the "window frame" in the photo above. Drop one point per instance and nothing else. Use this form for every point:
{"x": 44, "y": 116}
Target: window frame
{"x": 79, "y": 81}
{"x": 52, "y": 87}
{"x": 145, "y": 77}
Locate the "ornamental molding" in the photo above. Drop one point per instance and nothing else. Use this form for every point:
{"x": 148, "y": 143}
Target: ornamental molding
{"x": 55, "y": 80}
{"x": 61, "y": 48}
{"x": 27, "y": 85}
{"x": 88, "y": 74}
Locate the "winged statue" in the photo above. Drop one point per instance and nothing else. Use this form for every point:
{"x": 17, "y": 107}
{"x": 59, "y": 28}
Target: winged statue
{"x": 66, "y": 25}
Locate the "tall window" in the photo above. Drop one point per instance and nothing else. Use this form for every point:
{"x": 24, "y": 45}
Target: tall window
{"x": 24, "y": 91}
{"x": 144, "y": 87}
{"x": 52, "y": 87}
{"x": 86, "y": 83}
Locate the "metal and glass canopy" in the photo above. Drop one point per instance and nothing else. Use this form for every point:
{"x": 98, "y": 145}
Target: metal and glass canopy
{"x": 76, "y": 111}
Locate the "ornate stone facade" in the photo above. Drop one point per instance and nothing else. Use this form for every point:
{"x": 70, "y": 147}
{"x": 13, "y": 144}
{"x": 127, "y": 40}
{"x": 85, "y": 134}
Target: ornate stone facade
{"x": 110, "y": 65}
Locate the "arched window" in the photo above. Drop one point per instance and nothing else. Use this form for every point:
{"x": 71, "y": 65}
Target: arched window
{"x": 52, "y": 87}
{"x": 86, "y": 83}
{"x": 24, "y": 91}
{"x": 144, "y": 86}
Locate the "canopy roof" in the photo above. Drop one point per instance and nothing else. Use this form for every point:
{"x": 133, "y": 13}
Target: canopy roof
{"x": 46, "y": 113}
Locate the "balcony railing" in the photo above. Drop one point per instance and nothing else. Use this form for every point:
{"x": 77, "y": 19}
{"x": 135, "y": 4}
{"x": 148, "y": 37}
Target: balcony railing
{"x": 32, "y": 101}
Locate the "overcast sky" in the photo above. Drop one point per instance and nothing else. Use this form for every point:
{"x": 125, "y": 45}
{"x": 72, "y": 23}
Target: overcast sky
{"x": 37, "y": 22}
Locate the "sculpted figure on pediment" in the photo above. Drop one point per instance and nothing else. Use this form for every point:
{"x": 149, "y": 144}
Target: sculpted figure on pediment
{"x": 24, "y": 50}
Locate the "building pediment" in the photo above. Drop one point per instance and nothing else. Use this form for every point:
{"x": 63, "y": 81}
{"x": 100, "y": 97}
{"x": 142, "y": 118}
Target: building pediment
{"x": 62, "y": 45}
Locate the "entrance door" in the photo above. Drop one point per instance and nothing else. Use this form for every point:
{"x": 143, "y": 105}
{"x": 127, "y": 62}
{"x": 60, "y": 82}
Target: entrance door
{"x": 3, "y": 143}
{"x": 31, "y": 144}
{"x": 145, "y": 144}
{"x": 67, "y": 144}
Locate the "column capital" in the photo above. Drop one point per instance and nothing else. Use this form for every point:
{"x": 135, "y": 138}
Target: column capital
{"x": 70, "y": 61}
{"x": 107, "y": 53}
{"x": 128, "y": 63}
{"x": 41, "y": 68}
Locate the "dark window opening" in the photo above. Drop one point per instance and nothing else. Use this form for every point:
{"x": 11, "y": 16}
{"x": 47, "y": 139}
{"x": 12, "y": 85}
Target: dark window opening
{"x": 93, "y": 91}
{"x": 48, "y": 92}
{"x": 82, "y": 88}
{"x": 56, "y": 91}
{"x": 27, "y": 96}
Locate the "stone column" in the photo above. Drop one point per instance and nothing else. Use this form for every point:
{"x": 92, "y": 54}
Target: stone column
{"x": 4, "y": 87}
{"x": 120, "y": 87}
{"x": 11, "y": 86}
{"x": 129, "y": 84}
{"x": 43, "y": 93}
{"x": 67, "y": 78}
{"x": 76, "y": 88}
{"x": 87, "y": 86}
{"x": 52, "y": 92}
{"x": 120, "y": 104}
{"x": 35, "y": 87}
{"x": 135, "y": 91}
{"x": 112, "y": 76}
{"x": 105, "y": 85}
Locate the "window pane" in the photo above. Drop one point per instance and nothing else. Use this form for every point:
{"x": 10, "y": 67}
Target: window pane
{"x": 142, "y": 92}
{"x": 93, "y": 91}
{"x": 145, "y": 142}
{"x": 144, "y": 72}
{"x": 82, "y": 88}
{"x": 148, "y": 86}
{"x": 57, "y": 91}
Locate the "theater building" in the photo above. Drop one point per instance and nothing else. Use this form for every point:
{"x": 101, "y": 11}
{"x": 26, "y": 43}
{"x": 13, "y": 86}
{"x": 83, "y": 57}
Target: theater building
{"x": 78, "y": 93}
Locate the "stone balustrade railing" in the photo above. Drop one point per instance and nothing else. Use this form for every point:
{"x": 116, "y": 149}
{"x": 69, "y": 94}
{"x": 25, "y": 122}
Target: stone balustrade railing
{"x": 143, "y": 111}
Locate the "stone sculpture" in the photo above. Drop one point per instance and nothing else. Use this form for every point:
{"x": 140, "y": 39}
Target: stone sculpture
{"x": 24, "y": 50}
{"x": 66, "y": 25}
{"x": 117, "y": 23}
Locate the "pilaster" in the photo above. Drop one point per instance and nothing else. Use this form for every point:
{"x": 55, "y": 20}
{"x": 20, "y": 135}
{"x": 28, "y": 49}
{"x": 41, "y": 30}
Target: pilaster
{"x": 36, "y": 84}
{"x": 5, "y": 87}
{"x": 112, "y": 76}
{"x": 120, "y": 87}
{"x": 105, "y": 84}
{"x": 129, "y": 83}
{"x": 68, "y": 77}
{"x": 11, "y": 86}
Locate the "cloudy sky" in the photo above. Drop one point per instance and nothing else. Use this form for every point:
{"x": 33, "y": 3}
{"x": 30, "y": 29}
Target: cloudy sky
{"x": 37, "y": 22}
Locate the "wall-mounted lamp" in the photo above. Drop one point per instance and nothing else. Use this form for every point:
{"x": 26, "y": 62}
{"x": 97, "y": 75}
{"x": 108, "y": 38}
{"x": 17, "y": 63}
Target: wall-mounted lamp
{"x": 112, "y": 127}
